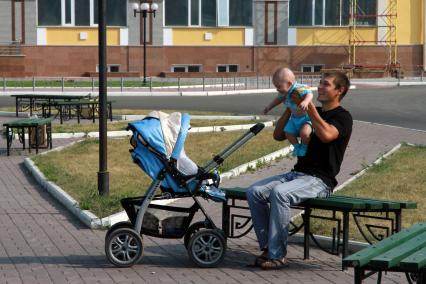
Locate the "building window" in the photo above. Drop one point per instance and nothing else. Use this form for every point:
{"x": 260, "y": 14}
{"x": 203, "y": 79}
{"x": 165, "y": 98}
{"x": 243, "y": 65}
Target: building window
{"x": 79, "y": 12}
{"x": 271, "y": 22}
{"x": 176, "y": 12}
{"x": 49, "y": 13}
{"x": 186, "y": 68}
{"x": 308, "y": 68}
{"x": 331, "y": 12}
{"x": 240, "y": 13}
{"x": 227, "y": 68}
{"x": 208, "y": 13}
{"x": 111, "y": 68}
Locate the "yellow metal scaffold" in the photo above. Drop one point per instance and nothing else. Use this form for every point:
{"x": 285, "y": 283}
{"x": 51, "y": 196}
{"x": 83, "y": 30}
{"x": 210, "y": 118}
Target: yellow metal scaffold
{"x": 386, "y": 23}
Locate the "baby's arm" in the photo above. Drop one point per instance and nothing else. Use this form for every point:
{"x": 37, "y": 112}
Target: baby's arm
{"x": 306, "y": 100}
{"x": 272, "y": 104}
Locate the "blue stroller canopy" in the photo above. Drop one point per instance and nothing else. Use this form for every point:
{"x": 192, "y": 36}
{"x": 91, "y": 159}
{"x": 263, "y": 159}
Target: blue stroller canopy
{"x": 166, "y": 134}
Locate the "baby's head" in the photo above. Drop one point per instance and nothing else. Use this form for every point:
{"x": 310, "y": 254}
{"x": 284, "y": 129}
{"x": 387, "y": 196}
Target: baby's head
{"x": 283, "y": 79}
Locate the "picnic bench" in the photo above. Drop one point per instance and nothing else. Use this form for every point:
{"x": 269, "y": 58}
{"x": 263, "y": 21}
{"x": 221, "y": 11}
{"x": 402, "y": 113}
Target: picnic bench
{"x": 402, "y": 252}
{"x": 66, "y": 109}
{"x": 238, "y": 224}
{"x": 33, "y": 102}
{"x": 34, "y": 127}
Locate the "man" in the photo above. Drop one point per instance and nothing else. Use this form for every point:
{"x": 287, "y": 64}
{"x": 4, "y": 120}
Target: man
{"x": 312, "y": 176}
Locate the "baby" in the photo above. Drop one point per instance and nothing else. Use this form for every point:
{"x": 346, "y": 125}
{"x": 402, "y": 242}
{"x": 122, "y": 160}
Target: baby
{"x": 299, "y": 124}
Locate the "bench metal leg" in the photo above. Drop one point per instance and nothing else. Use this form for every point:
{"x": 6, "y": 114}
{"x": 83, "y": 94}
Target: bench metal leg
{"x": 345, "y": 235}
{"x": 110, "y": 112}
{"x": 93, "y": 113}
{"x": 60, "y": 114}
{"x": 29, "y": 139}
{"x": 8, "y": 139}
{"x": 358, "y": 275}
{"x": 307, "y": 233}
{"x": 37, "y": 137}
{"x": 398, "y": 221}
{"x": 225, "y": 218}
{"x": 16, "y": 106}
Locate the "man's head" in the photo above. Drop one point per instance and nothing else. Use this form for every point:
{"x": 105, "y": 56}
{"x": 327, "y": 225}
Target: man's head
{"x": 283, "y": 79}
{"x": 333, "y": 87}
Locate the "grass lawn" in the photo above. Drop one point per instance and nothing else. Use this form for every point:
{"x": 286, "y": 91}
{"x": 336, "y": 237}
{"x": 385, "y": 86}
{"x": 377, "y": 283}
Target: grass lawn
{"x": 399, "y": 177}
{"x": 75, "y": 168}
{"x": 121, "y": 125}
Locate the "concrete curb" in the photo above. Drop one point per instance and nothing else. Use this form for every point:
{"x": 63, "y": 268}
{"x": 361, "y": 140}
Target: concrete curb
{"x": 193, "y": 117}
{"x": 13, "y": 114}
{"x": 124, "y": 133}
{"x": 326, "y": 242}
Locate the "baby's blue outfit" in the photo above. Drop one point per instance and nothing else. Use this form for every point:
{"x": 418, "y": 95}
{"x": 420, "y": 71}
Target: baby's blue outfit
{"x": 296, "y": 122}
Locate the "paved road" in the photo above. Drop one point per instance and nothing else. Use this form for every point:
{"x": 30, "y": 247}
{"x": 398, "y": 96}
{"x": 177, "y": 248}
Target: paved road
{"x": 398, "y": 106}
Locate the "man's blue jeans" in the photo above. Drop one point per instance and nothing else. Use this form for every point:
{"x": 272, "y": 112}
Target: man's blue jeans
{"x": 271, "y": 220}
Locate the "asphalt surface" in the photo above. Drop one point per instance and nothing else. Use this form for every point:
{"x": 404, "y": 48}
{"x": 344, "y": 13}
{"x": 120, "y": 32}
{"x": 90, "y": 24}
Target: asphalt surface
{"x": 397, "y": 106}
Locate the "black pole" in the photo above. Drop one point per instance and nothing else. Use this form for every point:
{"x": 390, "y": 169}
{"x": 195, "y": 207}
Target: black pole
{"x": 144, "y": 14}
{"x": 103, "y": 175}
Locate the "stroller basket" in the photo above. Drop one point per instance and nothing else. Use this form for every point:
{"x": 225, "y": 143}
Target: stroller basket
{"x": 160, "y": 220}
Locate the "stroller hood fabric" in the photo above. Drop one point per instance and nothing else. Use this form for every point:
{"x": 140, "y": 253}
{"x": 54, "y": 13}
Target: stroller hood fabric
{"x": 166, "y": 134}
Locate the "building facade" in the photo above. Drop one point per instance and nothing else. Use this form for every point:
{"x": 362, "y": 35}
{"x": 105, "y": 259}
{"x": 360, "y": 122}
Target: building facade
{"x": 59, "y": 37}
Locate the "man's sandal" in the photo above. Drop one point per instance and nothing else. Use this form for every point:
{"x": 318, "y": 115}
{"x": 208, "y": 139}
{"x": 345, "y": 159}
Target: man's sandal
{"x": 260, "y": 259}
{"x": 274, "y": 264}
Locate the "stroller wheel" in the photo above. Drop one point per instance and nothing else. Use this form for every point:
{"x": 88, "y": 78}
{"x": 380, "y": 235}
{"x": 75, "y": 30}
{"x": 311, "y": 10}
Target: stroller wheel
{"x": 124, "y": 247}
{"x": 196, "y": 227}
{"x": 207, "y": 248}
{"x": 116, "y": 226}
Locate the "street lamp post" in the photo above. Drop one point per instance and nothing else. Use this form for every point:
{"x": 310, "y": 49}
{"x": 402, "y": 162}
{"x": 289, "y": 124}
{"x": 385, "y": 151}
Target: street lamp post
{"x": 144, "y": 9}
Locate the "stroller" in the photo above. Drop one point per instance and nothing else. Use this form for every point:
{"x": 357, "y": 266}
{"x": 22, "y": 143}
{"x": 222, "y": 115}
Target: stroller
{"x": 158, "y": 142}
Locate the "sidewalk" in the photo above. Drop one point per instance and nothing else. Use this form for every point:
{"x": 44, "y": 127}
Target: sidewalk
{"x": 41, "y": 242}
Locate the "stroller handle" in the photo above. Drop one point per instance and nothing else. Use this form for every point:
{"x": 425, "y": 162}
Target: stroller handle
{"x": 257, "y": 128}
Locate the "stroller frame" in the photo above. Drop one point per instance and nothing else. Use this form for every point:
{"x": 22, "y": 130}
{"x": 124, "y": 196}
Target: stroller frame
{"x": 196, "y": 234}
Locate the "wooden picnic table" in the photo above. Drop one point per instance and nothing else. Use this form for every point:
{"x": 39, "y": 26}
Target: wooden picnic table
{"x": 65, "y": 108}
{"x": 33, "y": 102}
{"x": 32, "y": 124}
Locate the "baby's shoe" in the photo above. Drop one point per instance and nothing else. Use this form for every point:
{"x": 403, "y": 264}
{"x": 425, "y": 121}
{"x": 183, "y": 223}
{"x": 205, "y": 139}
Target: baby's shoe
{"x": 296, "y": 150}
{"x": 302, "y": 150}
{"x": 213, "y": 193}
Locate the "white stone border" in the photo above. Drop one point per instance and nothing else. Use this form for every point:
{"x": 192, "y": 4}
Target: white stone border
{"x": 13, "y": 114}
{"x": 91, "y": 220}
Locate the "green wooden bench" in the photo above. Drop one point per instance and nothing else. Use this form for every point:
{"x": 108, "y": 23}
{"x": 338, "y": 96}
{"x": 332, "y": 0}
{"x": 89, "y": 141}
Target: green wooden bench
{"x": 358, "y": 207}
{"x": 31, "y": 124}
{"x": 65, "y": 108}
{"x": 402, "y": 252}
{"x": 33, "y": 102}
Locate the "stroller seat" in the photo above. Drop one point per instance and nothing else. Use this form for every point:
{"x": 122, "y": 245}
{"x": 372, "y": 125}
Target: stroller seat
{"x": 158, "y": 142}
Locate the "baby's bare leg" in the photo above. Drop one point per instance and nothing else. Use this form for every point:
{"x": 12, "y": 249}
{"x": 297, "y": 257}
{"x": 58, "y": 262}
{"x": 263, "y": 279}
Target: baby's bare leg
{"x": 305, "y": 133}
{"x": 291, "y": 138}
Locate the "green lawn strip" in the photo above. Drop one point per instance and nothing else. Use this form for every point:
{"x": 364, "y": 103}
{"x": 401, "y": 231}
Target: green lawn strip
{"x": 399, "y": 177}
{"x": 75, "y": 168}
{"x": 121, "y": 125}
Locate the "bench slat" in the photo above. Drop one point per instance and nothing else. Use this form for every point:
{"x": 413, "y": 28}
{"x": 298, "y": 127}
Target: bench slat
{"x": 404, "y": 249}
{"x": 364, "y": 256}
{"x": 415, "y": 261}
{"x": 391, "y": 204}
{"x": 340, "y": 202}
{"x": 385, "y": 204}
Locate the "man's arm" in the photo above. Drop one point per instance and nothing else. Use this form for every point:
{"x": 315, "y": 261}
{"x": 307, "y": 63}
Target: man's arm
{"x": 325, "y": 131}
{"x": 279, "y": 134}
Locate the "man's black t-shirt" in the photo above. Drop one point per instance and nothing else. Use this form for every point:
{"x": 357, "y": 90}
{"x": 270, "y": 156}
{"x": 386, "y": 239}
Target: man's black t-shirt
{"x": 323, "y": 160}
